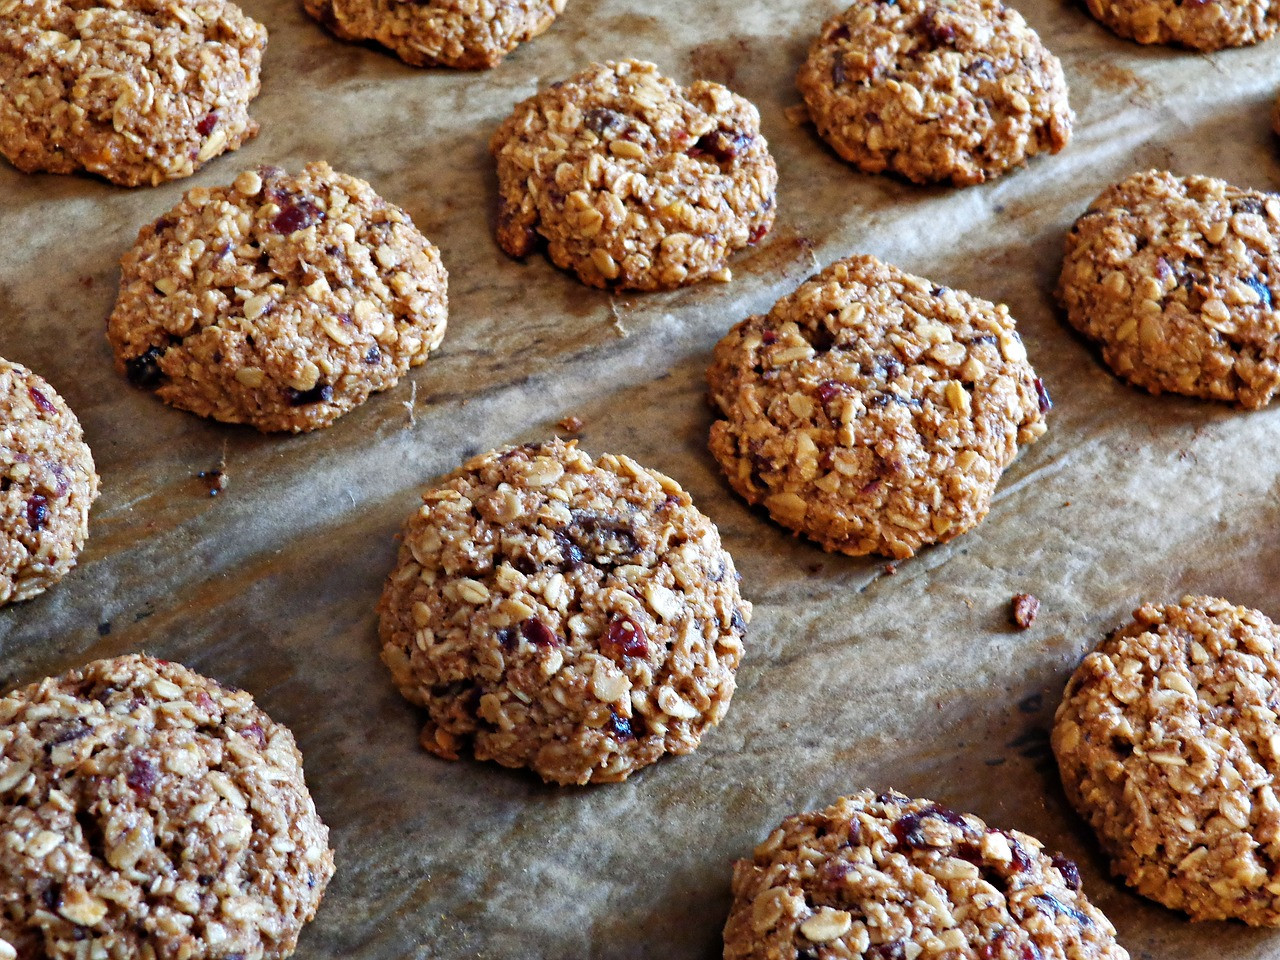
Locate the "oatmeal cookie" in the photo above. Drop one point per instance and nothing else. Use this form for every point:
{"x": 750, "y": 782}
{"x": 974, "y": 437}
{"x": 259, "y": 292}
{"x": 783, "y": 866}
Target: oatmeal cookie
{"x": 958, "y": 91}
{"x": 578, "y": 617}
{"x": 137, "y": 91}
{"x": 871, "y": 410}
{"x": 1210, "y": 25}
{"x": 885, "y": 878}
{"x": 47, "y": 485}
{"x": 1169, "y": 745}
{"x": 466, "y": 34}
{"x": 147, "y": 812}
{"x": 1173, "y": 277}
{"x": 632, "y": 180}
{"x": 281, "y": 301}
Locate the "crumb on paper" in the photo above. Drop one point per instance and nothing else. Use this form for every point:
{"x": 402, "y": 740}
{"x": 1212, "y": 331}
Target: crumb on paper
{"x": 571, "y": 424}
{"x": 890, "y": 569}
{"x": 798, "y": 114}
{"x": 617, "y": 319}
{"x": 1025, "y": 608}
{"x": 412, "y": 403}
{"x": 216, "y": 478}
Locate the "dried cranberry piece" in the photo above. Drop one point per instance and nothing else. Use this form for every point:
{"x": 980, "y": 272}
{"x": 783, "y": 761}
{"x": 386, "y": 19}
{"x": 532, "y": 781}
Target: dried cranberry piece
{"x": 205, "y": 126}
{"x": 1042, "y": 395}
{"x": 625, "y": 638}
{"x": 205, "y": 702}
{"x": 41, "y": 400}
{"x": 142, "y": 776}
{"x": 1021, "y": 862}
{"x": 828, "y": 390}
{"x": 757, "y": 233}
{"x": 255, "y": 733}
{"x": 537, "y": 632}
{"x": 938, "y": 32}
{"x": 769, "y": 337}
{"x": 320, "y": 393}
{"x": 907, "y": 830}
{"x": 296, "y": 215}
{"x": 37, "y": 511}
{"x": 1070, "y": 872}
{"x": 720, "y": 146}
{"x": 1052, "y": 903}
{"x": 620, "y": 726}
{"x": 161, "y": 225}
{"x": 144, "y": 370}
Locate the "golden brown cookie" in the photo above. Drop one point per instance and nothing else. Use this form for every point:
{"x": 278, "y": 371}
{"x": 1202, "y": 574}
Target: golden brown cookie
{"x": 575, "y": 616}
{"x": 137, "y": 91}
{"x": 871, "y": 410}
{"x": 1198, "y": 24}
{"x": 146, "y": 811}
{"x": 1173, "y": 277}
{"x": 959, "y": 91}
{"x": 889, "y": 878}
{"x": 1168, "y": 742}
{"x": 633, "y": 181}
{"x": 281, "y": 301}
{"x": 47, "y": 485}
{"x": 467, "y": 34}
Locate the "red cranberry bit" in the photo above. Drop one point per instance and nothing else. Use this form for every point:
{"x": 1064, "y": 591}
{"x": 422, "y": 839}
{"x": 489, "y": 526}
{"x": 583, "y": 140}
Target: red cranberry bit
{"x": 255, "y": 733}
{"x": 938, "y": 32}
{"x": 908, "y": 830}
{"x": 41, "y": 400}
{"x": 828, "y": 390}
{"x": 1070, "y": 872}
{"x": 37, "y": 511}
{"x": 205, "y": 126}
{"x": 537, "y": 633}
{"x": 296, "y": 215}
{"x": 1021, "y": 862}
{"x": 320, "y": 393}
{"x": 1042, "y": 394}
{"x": 1031, "y": 952}
{"x": 205, "y": 702}
{"x": 142, "y": 776}
{"x": 144, "y": 371}
{"x": 625, "y": 638}
{"x": 769, "y": 337}
{"x": 1025, "y": 609}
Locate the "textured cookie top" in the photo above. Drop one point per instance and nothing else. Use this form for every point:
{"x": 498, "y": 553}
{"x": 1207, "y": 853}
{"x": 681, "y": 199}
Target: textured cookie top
{"x": 47, "y": 485}
{"x": 871, "y": 410}
{"x": 1204, "y": 25}
{"x": 575, "y": 616}
{"x": 467, "y": 34}
{"x": 632, "y": 180}
{"x": 148, "y": 811}
{"x": 1168, "y": 739}
{"x": 137, "y": 91}
{"x": 281, "y": 301}
{"x": 1174, "y": 276}
{"x": 888, "y": 878}
{"x": 957, "y": 91}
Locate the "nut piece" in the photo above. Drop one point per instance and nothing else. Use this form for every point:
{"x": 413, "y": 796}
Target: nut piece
{"x": 826, "y": 925}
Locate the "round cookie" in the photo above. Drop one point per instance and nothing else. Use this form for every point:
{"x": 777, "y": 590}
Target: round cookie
{"x": 633, "y": 181}
{"x": 1168, "y": 742}
{"x": 1204, "y": 25}
{"x": 578, "y": 617}
{"x": 146, "y": 811}
{"x": 871, "y": 410}
{"x": 281, "y": 301}
{"x": 137, "y": 91}
{"x": 47, "y": 485}
{"x": 958, "y": 92}
{"x": 1174, "y": 278}
{"x": 884, "y": 877}
{"x": 466, "y": 34}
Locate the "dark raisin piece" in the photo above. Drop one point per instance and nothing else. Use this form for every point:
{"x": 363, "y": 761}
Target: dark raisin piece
{"x": 1053, "y": 904}
{"x": 828, "y": 390}
{"x": 142, "y": 776}
{"x": 1262, "y": 290}
{"x": 886, "y": 951}
{"x": 600, "y": 119}
{"x": 738, "y": 622}
{"x": 840, "y": 33}
{"x": 320, "y": 393}
{"x": 720, "y": 146}
{"x": 939, "y": 33}
{"x": 41, "y": 400}
{"x": 144, "y": 370}
{"x": 908, "y": 833}
{"x": 52, "y": 896}
{"x": 37, "y": 511}
{"x": 205, "y": 126}
{"x": 838, "y": 72}
{"x": 507, "y": 637}
{"x": 625, "y": 638}
{"x": 374, "y": 355}
{"x": 982, "y": 69}
{"x": 296, "y": 215}
{"x": 1070, "y": 872}
{"x": 1042, "y": 395}
{"x": 537, "y": 633}
{"x": 1024, "y": 610}
{"x": 620, "y": 726}
{"x": 769, "y": 337}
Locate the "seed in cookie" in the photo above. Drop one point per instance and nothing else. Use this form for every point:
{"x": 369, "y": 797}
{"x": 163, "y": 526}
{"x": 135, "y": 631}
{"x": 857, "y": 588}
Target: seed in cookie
{"x": 633, "y": 181}
{"x": 137, "y": 91}
{"x": 572, "y": 615}
{"x": 958, "y": 91}
{"x": 873, "y": 411}
{"x": 1177, "y": 278}
{"x": 47, "y": 485}
{"x": 885, "y": 877}
{"x": 464, "y": 35}
{"x": 1198, "y": 25}
{"x": 147, "y": 811}
{"x": 281, "y": 301}
{"x": 1168, "y": 743}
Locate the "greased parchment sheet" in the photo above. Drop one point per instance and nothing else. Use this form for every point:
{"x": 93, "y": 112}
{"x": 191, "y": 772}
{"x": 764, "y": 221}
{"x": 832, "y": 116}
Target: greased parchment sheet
{"x": 852, "y": 677}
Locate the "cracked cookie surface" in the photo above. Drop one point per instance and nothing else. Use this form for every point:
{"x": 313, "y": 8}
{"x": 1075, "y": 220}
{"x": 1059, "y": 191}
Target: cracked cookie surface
{"x": 633, "y": 181}
{"x": 147, "y": 811}
{"x": 281, "y": 301}
{"x": 47, "y": 485}
{"x": 1211, "y": 25}
{"x": 884, "y": 877}
{"x": 137, "y": 91}
{"x": 575, "y": 616}
{"x": 1168, "y": 741}
{"x": 466, "y": 34}
{"x": 871, "y": 410}
{"x": 1174, "y": 277}
{"x": 959, "y": 91}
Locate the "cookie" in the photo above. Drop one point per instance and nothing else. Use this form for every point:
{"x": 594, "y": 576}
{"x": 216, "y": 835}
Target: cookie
{"x": 1174, "y": 278}
{"x": 146, "y": 811}
{"x": 959, "y": 91}
{"x": 47, "y": 485}
{"x": 466, "y": 34}
{"x": 633, "y": 181}
{"x": 871, "y": 410}
{"x": 281, "y": 301}
{"x": 886, "y": 878}
{"x": 1168, "y": 743}
{"x": 137, "y": 91}
{"x": 574, "y": 616}
{"x": 1210, "y": 25}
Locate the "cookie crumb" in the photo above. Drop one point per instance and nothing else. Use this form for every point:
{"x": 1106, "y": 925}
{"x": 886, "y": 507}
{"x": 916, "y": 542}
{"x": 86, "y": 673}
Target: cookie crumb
{"x": 571, "y": 424}
{"x": 1025, "y": 609}
{"x": 215, "y": 479}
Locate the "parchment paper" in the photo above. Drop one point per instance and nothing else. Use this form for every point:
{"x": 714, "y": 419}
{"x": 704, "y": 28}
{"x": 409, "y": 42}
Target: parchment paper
{"x": 852, "y": 677}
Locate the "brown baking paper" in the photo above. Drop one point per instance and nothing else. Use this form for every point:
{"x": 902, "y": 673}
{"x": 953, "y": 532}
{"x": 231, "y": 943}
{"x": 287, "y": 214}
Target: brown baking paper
{"x": 852, "y": 677}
